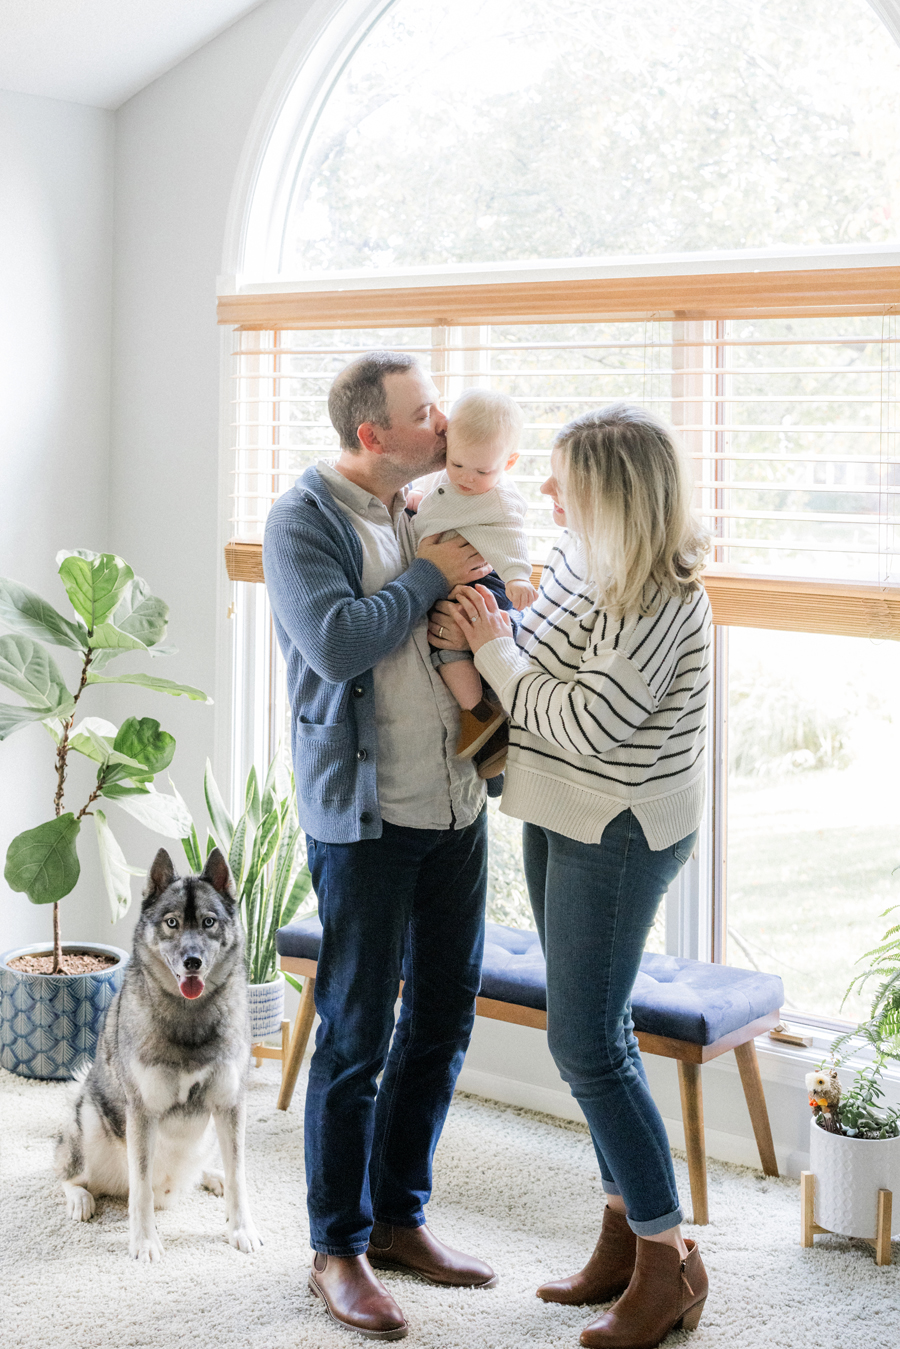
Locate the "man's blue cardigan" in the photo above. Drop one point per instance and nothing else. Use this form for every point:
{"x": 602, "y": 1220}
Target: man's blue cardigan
{"x": 331, "y": 637}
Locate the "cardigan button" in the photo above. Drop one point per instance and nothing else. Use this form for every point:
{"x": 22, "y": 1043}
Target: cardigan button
{"x": 366, "y": 817}
{"x": 440, "y": 491}
{"x": 362, "y": 755}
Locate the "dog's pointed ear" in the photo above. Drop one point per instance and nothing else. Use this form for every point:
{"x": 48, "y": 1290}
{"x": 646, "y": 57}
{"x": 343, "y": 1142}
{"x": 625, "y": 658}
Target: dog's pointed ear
{"x": 160, "y": 876}
{"x": 217, "y": 873}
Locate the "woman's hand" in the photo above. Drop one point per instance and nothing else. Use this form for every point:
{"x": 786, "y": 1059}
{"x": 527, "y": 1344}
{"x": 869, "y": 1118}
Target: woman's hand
{"x": 483, "y": 619}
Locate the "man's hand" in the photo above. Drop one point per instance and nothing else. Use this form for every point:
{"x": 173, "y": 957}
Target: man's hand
{"x": 444, "y": 631}
{"x": 456, "y": 558}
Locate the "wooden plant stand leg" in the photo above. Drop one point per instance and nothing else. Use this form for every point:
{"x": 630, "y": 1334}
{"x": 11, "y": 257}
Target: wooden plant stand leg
{"x": 882, "y": 1242}
{"x": 285, "y": 1045}
{"x": 299, "y": 1039}
{"x": 748, "y": 1067}
{"x": 262, "y": 1051}
{"x": 694, "y": 1140}
{"x": 808, "y": 1228}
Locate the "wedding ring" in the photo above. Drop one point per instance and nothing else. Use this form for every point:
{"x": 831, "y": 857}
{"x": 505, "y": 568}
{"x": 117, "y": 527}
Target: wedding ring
{"x": 440, "y": 632}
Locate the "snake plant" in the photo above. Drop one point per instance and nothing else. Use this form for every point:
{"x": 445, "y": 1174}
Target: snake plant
{"x": 271, "y": 879}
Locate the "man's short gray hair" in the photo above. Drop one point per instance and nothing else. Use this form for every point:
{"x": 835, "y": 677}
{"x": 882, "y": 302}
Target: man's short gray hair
{"x": 357, "y": 394}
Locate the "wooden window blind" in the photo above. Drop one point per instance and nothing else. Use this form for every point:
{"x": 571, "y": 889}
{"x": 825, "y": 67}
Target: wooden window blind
{"x": 784, "y": 387}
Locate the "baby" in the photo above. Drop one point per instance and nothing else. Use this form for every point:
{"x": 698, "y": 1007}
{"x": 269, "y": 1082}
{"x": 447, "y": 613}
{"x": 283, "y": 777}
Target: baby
{"x": 473, "y": 498}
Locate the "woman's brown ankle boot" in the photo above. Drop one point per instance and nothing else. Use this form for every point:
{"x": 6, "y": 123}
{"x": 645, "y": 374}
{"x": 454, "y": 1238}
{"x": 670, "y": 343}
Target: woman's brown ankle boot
{"x": 666, "y": 1293}
{"x": 606, "y": 1274}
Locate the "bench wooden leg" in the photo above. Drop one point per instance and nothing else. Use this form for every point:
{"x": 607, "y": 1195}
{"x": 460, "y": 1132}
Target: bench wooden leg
{"x": 748, "y": 1067}
{"x": 694, "y": 1141}
{"x": 299, "y": 1040}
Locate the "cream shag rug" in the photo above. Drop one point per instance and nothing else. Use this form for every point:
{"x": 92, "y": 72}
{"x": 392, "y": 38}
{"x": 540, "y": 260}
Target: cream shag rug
{"x": 518, "y": 1188}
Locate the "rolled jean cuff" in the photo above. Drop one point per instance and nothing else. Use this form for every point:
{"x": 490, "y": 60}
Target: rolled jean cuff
{"x": 441, "y": 657}
{"x": 610, "y": 1186}
{"x": 340, "y": 1252}
{"x": 657, "y": 1225}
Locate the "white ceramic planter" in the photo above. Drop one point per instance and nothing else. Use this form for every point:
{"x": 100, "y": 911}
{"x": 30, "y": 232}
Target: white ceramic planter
{"x": 849, "y": 1173}
{"x": 266, "y": 1008}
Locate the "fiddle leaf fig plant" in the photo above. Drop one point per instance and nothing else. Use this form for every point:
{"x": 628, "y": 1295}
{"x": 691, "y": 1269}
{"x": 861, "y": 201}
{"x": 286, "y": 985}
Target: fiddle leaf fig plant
{"x": 114, "y": 613}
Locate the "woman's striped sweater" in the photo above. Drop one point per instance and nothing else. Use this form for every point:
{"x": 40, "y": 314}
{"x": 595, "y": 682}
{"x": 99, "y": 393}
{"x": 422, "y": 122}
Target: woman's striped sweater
{"x": 605, "y": 713}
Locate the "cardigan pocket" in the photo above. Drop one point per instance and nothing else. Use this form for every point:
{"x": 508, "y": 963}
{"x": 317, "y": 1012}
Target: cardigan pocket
{"x": 324, "y": 762}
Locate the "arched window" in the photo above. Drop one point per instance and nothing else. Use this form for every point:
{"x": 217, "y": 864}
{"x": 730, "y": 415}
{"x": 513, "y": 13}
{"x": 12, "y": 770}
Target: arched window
{"x": 478, "y": 131}
{"x": 734, "y": 169}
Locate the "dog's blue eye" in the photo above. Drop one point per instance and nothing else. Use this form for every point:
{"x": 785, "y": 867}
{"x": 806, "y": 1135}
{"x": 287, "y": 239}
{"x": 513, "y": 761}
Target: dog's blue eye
{"x": 171, "y": 922}
{"x": 209, "y": 922}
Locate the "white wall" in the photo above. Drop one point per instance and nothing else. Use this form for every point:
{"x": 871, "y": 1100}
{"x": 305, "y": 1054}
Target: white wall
{"x": 178, "y": 144}
{"x": 56, "y": 190}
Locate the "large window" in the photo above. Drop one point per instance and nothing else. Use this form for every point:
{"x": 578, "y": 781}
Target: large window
{"x": 464, "y": 131}
{"x": 472, "y": 139}
{"x": 813, "y": 802}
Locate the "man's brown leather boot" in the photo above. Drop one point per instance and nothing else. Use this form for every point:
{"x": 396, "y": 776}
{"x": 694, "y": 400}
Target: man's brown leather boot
{"x": 606, "y": 1274}
{"x": 666, "y": 1293}
{"x": 418, "y": 1250}
{"x": 355, "y": 1298}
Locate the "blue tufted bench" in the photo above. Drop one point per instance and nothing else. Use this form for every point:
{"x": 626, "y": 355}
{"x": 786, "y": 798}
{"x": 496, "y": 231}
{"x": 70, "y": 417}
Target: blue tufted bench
{"x": 683, "y": 1009}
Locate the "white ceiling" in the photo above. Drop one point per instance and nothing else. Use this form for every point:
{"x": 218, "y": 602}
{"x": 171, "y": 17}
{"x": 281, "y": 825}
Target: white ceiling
{"x": 102, "y": 52}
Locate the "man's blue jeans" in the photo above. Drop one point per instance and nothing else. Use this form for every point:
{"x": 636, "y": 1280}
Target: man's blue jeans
{"x": 594, "y": 905}
{"x": 412, "y": 900}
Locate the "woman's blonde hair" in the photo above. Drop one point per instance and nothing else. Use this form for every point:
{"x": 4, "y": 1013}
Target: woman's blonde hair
{"x": 480, "y": 415}
{"x": 626, "y": 491}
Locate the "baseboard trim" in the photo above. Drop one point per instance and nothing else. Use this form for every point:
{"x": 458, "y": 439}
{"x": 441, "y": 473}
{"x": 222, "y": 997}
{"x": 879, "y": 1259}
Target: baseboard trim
{"x": 723, "y": 1146}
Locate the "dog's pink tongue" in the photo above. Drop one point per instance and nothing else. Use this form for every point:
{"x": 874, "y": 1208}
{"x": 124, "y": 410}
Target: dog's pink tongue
{"x": 191, "y": 986}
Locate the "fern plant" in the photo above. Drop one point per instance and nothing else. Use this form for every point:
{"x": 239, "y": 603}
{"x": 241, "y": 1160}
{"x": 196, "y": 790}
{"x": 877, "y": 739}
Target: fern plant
{"x": 859, "y": 1113}
{"x": 262, "y": 846}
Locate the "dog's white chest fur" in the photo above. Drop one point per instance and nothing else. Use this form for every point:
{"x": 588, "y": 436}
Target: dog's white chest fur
{"x": 162, "y": 1088}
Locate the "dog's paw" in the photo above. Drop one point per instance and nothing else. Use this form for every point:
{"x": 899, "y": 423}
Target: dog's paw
{"x": 213, "y": 1181}
{"x": 80, "y": 1205}
{"x": 145, "y": 1249}
{"x": 245, "y": 1238}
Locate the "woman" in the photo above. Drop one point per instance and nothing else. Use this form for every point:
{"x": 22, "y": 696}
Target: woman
{"x": 606, "y": 689}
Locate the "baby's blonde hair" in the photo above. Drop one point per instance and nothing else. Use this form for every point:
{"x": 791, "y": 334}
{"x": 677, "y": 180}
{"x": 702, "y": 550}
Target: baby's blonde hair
{"x": 480, "y": 415}
{"x": 626, "y": 490}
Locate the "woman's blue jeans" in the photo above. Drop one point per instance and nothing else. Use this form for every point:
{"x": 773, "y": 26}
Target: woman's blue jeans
{"x": 594, "y": 905}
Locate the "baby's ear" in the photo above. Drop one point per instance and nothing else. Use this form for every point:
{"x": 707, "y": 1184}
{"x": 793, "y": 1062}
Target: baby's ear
{"x": 510, "y": 461}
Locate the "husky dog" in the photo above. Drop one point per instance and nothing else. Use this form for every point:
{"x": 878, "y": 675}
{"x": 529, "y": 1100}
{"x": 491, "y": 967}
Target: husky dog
{"x": 175, "y": 1049}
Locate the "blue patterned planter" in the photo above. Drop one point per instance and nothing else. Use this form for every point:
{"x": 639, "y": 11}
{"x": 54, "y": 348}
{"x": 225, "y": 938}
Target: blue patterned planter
{"x": 266, "y": 1008}
{"x": 50, "y": 1023}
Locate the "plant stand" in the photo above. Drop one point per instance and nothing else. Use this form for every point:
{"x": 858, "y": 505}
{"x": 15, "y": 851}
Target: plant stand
{"x": 809, "y": 1227}
{"x": 262, "y": 1051}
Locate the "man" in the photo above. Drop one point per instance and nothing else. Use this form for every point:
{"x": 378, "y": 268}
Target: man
{"x": 396, "y": 836}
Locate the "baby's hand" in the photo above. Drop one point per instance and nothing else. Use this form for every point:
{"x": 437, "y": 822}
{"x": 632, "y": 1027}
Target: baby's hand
{"x": 413, "y": 500}
{"x": 520, "y": 594}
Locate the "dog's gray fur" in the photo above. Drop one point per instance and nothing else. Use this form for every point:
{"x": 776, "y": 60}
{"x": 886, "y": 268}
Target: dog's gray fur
{"x": 166, "y": 1062}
